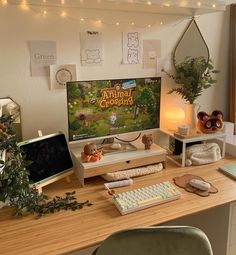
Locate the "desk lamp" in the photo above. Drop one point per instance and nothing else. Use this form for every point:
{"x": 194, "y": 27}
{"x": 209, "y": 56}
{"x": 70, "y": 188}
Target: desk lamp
{"x": 174, "y": 117}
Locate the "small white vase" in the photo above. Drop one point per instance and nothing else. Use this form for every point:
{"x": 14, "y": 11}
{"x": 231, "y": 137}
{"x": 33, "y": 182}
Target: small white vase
{"x": 191, "y": 111}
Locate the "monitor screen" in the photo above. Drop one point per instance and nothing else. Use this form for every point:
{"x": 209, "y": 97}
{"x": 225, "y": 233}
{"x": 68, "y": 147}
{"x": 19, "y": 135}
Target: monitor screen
{"x": 103, "y": 108}
{"x": 49, "y": 155}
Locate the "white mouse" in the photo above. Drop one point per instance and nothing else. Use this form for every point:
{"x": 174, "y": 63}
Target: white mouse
{"x": 116, "y": 146}
{"x": 199, "y": 184}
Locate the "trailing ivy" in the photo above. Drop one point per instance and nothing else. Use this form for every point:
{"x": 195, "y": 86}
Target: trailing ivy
{"x": 193, "y": 76}
{"x": 15, "y": 188}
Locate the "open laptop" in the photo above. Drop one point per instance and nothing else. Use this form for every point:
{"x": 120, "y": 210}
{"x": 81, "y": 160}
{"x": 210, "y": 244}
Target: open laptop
{"x": 50, "y": 157}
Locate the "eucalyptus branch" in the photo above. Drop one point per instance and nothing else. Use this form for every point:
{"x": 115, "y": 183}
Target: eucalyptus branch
{"x": 193, "y": 75}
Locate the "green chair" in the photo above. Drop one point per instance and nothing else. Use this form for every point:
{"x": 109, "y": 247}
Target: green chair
{"x": 163, "y": 240}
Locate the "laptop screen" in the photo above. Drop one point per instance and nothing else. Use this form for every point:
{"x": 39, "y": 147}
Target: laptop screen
{"x": 50, "y": 157}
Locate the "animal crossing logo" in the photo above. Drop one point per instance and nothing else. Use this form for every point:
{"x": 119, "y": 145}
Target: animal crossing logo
{"x": 116, "y": 96}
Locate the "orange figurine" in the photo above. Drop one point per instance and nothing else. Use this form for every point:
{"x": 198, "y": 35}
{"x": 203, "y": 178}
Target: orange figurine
{"x": 91, "y": 153}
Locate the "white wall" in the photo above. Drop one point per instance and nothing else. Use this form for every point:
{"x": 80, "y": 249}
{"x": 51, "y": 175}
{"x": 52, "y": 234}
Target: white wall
{"x": 46, "y": 109}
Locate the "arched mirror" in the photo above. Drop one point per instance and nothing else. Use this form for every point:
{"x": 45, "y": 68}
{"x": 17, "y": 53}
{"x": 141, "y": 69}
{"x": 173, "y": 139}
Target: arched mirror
{"x": 191, "y": 44}
{"x": 10, "y": 107}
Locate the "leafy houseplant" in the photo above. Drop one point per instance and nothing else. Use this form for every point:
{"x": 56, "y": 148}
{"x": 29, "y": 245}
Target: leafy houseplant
{"x": 15, "y": 188}
{"x": 193, "y": 76}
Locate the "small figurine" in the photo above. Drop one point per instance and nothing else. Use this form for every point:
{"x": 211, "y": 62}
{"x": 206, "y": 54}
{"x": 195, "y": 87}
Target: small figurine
{"x": 147, "y": 140}
{"x": 91, "y": 153}
{"x": 210, "y": 123}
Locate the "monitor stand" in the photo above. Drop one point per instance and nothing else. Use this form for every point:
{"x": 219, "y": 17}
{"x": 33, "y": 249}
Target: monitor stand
{"x": 117, "y": 161}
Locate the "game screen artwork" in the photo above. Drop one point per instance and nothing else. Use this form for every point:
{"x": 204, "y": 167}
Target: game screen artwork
{"x": 109, "y": 107}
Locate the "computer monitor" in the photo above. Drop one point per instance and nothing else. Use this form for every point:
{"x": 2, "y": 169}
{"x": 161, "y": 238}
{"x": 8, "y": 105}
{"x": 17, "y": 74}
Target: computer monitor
{"x": 50, "y": 157}
{"x": 107, "y": 108}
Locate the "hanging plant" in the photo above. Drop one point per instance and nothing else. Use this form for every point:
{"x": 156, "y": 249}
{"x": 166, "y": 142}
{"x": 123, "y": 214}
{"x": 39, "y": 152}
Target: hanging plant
{"x": 193, "y": 75}
{"x": 15, "y": 189}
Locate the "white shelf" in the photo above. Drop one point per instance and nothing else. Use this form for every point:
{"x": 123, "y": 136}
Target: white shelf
{"x": 197, "y": 138}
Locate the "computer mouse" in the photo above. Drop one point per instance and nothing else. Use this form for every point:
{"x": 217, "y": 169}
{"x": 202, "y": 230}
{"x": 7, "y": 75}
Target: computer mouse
{"x": 199, "y": 184}
{"x": 116, "y": 146}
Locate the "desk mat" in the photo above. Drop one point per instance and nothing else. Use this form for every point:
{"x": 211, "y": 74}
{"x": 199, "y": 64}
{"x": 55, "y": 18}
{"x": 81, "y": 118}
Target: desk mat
{"x": 183, "y": 182}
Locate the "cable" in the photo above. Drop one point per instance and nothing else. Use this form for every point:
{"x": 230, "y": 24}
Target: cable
{"x": 128, "y": 141}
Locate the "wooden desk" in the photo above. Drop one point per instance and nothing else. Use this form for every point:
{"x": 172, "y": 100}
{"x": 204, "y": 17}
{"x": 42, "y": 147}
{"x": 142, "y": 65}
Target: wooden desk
{"x": 66, "y": 232}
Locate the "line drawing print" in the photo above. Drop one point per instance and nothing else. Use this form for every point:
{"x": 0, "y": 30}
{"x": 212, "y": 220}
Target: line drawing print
{"x": 132, "y": 48}
{"x": 93, "y": 56}
{"x": 62, "y": 76}
{"x": 132, "y": 56}
{"x": 133, "y": 40}
{"x": 91, "y": 48}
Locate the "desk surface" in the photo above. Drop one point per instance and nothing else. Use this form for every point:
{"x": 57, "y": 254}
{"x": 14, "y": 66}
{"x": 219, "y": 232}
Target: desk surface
{"x": 65, "y": 232}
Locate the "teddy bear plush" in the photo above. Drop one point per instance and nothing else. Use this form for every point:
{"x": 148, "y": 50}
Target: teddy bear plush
{"x": 210, "y": 123}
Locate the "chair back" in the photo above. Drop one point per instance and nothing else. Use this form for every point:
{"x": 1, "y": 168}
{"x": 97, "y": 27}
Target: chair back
{"x": 163, "y": 240}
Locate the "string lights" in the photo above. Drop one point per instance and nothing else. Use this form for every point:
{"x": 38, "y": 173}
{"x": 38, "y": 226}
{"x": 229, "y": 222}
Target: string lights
{"x": 65, "y": 8}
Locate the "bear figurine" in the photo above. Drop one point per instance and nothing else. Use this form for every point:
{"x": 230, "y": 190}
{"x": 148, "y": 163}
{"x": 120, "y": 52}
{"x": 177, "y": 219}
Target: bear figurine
{"x": 147, "y": 140}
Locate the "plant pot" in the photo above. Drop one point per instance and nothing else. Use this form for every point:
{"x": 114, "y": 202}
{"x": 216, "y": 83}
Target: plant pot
{"x": 191, "y": 111}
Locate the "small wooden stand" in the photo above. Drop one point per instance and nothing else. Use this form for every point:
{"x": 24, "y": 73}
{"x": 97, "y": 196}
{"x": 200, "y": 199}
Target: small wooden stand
{"x": 54, "y": 179}
{"x": 112, "y": 162}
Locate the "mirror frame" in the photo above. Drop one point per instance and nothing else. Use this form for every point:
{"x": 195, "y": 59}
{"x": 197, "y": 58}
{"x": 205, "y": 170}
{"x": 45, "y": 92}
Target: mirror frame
{"x": 186, "y": 30}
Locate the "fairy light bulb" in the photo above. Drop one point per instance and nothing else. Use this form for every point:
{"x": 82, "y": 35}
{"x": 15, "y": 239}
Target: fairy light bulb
{"x": 183, "y": 3}
{"x": 62, "y": 2}
{"x": 213, "y": 6}
{"x": 82, "y": 19}
{"x": 24, "y": 6}
{"x": 4, "y": 2}
{"x": 98, "y": 22}
{"x": 117, "y": 23}
{"x": 161, "y": 23}
{"x": 199, "y": 3}
{"x": 149, "y": 26}
{"x": 44, "y": 12}
{"x": 44, "y": 1}
{"x": 63, "y": 14}
{"x": 149, "y": 2}
{"x": 132, "y": 23}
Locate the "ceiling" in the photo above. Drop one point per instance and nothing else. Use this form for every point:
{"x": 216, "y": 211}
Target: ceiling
{"x": 182, "y": 7}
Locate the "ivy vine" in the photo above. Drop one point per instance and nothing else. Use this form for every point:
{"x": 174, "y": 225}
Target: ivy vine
{"x": 15, "y": 188}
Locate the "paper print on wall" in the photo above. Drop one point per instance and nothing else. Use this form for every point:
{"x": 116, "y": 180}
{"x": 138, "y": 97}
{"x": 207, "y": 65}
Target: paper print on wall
{"x": 91, "y": 48}
{"x": 151, "y": 52}
{"x": 42, "y": 55}
{"x": 132, "y": 48}
{"x": 61, "y": 74}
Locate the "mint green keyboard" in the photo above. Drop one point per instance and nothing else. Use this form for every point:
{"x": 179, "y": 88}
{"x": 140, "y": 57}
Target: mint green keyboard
{"x": 138, "y": 199}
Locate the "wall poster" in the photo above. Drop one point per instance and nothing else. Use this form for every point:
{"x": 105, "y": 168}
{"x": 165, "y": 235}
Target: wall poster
{"x": 132, "y": 48}
{"x": 151, "y": 52}
{"x": 42, "y": 55}
{"x": 91, "y": 48}
{"x": 61, "y": 74}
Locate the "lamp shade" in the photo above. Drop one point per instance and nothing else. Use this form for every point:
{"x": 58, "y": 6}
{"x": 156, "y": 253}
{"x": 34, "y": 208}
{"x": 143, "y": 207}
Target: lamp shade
{"x": 174, "y": 116}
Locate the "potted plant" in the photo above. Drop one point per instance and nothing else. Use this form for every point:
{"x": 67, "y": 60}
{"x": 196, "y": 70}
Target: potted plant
{"x": 193, "y": 75}
{"x": 15, "y": 189}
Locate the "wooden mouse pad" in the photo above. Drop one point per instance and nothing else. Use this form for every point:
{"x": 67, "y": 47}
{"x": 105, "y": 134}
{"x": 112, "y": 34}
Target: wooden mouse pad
{"x": 183, "y": 182}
